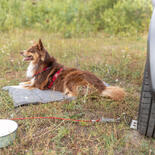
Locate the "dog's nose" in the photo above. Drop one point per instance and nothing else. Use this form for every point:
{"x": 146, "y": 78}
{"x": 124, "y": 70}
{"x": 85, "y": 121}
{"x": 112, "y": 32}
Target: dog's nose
{"x": 21, "y": 53}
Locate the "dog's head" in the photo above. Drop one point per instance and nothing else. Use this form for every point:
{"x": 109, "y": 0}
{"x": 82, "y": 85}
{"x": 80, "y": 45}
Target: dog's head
{"x": 36, "y": 53}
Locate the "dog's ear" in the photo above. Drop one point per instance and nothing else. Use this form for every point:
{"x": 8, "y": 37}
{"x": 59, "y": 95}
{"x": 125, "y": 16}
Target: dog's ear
{"x": 45, "y": 56}
{"x": 40, "y": 45}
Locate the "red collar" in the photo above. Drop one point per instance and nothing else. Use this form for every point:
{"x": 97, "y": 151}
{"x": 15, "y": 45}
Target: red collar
{"x": 44, "y": 69}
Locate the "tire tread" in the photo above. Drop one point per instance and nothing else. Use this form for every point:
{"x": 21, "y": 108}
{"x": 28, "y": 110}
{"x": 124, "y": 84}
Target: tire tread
{"x": 146, "y": 116}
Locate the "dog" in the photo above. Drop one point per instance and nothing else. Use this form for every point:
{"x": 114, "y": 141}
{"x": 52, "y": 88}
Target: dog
{"x": 45, "y": 72}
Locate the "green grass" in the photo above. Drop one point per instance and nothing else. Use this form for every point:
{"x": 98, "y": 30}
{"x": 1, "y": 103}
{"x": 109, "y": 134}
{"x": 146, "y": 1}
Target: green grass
{"x": 118, "y": 61}
{"x": 76, "y": 17}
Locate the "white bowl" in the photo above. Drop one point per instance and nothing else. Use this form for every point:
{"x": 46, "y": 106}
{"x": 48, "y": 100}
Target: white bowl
{"x": 7, "y": 132}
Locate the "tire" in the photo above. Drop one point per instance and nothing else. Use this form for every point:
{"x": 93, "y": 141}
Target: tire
{"x": 146, "y": 116}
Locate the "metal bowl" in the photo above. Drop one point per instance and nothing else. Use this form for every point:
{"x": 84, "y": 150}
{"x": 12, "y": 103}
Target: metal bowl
{"x": 7, "y": 132}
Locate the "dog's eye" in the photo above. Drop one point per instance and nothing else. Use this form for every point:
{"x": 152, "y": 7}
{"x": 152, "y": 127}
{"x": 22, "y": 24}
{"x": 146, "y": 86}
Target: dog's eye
{"x": 31, "y": 51}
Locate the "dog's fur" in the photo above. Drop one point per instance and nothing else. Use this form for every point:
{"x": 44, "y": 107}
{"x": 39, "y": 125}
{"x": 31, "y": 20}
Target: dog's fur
{"x": 70, "y": 81}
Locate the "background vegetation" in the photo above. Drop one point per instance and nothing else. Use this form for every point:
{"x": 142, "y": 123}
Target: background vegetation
{"x": 86, "y": 34}
{"x": 74, "y": 17}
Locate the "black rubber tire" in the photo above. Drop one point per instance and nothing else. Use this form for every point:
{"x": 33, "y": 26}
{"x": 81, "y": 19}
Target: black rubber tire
{"x": 146, "y": 116}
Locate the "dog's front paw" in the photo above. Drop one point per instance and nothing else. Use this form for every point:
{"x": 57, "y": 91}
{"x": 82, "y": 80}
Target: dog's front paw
{"x": 21, "y": 84}
{"x": 24, "y": 84}
{"x": 28, "y": 87}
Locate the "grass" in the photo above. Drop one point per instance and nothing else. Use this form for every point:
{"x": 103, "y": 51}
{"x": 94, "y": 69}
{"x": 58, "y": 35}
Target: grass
{"x": 116, "y": 60}
{"x": 77, "y": 17}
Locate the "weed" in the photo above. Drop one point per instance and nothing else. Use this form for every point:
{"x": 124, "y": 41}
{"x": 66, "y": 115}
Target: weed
{"x": 76, "y": 17}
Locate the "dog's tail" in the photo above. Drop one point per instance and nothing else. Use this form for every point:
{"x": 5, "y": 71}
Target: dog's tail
{"x": 115, "y": 93}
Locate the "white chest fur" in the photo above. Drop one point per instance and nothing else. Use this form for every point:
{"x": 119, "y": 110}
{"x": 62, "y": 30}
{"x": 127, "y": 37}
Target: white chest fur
{"x": 30, "y": 70}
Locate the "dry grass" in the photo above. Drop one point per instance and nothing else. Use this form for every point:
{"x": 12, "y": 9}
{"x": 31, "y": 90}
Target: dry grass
{"x": 118, "y": 61}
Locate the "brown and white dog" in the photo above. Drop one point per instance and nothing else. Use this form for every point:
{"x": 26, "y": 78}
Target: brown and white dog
{"x": 45, "y": 72}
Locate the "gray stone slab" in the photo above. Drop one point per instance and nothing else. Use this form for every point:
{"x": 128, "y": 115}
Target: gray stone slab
{"x": 22, "y": 96}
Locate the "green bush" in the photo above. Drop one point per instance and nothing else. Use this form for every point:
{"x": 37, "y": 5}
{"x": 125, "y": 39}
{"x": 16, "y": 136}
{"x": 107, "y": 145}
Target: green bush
{"x": 96, "y": 12}
{"x": 74, "y": 17}
{"x": 128, "y": 16}
{"x": 9, "y": 14}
